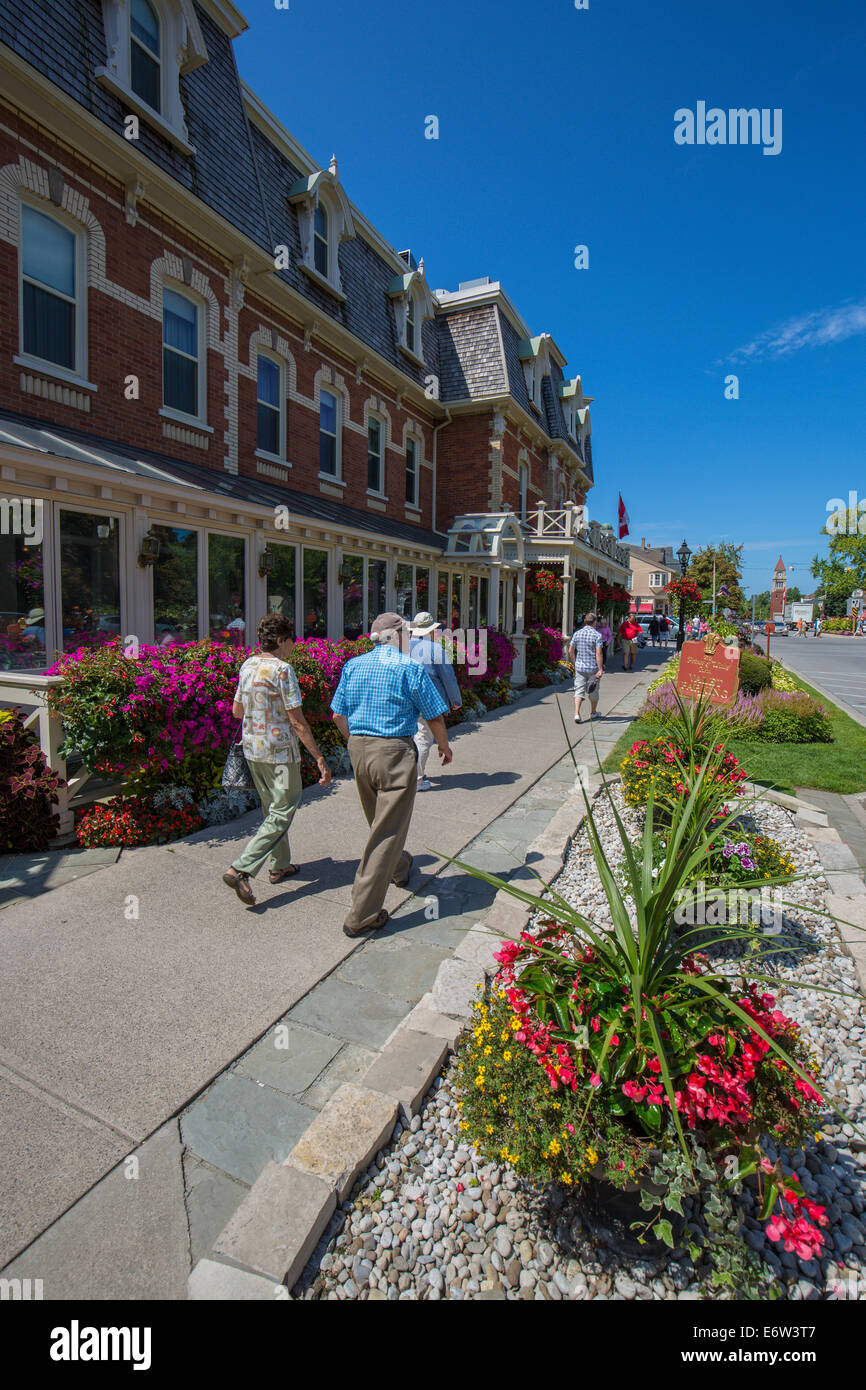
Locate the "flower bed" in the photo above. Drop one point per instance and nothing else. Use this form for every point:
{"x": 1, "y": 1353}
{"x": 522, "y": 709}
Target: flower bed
{"x": 134, "y": 820}
{"x": 28, "y": 789}
{"x": 771, "y": 716}
{"x": 661, "y": 768}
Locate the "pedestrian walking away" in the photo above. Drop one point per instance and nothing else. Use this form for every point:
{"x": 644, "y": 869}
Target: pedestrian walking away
{"x": 376, "y": 707}
{"x": 818, "y": 625}
{"x": 268, "y": 700}
{"x": 654, "y": 629}
{"x": 628, "y": 631}
{"x": 585, "y": 650}
{"x": 606, "y": 637}
{"x": 436, "y": 662}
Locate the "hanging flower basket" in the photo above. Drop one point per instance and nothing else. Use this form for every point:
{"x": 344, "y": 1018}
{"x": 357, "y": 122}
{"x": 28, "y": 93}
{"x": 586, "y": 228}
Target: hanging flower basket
{"x": 685, "y": 591}
{"x": 541, "y": 581}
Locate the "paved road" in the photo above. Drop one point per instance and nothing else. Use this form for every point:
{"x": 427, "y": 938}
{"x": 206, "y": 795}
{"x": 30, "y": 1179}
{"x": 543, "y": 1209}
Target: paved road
{"x": 836, "y": 664}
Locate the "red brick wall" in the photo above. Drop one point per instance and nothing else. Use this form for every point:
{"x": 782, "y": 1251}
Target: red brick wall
{"x": 463, "y": 468}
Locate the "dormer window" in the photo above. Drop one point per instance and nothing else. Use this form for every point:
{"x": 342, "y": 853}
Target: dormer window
{"x": 149, "y": 46}
{"x": 321, "y": 257}
{"x": 145, "y": 65}
{"x": 411, "y": 326}
{"x": 324, "y": 220}
{"x": 413, "y": 304}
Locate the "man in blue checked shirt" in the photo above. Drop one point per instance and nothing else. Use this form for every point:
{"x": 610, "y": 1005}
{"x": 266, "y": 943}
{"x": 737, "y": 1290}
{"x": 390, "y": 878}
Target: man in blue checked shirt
{"x": 376, "y": 708}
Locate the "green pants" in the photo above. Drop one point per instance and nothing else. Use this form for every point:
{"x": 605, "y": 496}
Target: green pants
{"x": 279, "y": 789}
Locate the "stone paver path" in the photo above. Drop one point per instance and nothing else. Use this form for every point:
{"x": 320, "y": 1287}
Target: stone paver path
{"x": 153, "y": 1067}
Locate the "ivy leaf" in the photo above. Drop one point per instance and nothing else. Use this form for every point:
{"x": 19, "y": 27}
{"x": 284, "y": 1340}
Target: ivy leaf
{"x": 674, "y": 1202}
{"x": 663, "y": 1230}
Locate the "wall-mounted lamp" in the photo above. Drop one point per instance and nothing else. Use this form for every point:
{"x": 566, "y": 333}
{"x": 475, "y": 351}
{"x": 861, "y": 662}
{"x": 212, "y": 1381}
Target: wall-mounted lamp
{"x": 267, "y": 560}
{"x": 149, "y": 553}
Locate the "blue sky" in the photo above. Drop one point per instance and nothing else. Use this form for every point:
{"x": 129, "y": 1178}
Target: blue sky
{"x": 556, "y": 128}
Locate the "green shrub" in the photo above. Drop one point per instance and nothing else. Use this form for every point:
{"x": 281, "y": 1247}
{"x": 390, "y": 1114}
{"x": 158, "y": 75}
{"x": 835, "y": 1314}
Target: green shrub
{"x": 789, "y": 716}
{"x": 755, "y": 673}
{"x": 28, "y": 789}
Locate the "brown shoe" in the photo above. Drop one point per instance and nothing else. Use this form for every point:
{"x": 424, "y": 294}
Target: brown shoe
{"x": 404, "y": 881}
{"x": 378, "y": 921}
{"x": 241, "y": 884}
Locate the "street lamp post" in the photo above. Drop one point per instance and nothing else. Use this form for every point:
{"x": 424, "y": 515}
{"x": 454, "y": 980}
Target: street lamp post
{"x": 683, "y": 555}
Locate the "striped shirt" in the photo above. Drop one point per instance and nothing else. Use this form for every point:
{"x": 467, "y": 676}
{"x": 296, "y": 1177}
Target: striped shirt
{"x": 383, "y": 692}
{"x": 585, "y": 644}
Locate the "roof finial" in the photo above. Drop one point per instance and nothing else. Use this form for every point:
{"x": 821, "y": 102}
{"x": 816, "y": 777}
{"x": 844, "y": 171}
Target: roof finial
{"x": 421, "y": 266}
{"x": 333, "y": 165}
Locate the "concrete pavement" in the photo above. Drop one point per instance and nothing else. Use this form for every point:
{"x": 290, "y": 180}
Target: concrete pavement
{"x": 138, "y": 1058}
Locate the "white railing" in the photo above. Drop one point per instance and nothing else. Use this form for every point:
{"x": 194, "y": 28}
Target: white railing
{"x": 22, "y": 688}
{"x": 565, "y": 525}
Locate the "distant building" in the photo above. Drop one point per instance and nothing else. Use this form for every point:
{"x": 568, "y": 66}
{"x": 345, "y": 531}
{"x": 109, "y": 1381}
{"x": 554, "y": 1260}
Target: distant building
{"x": 651, "y": 568}
{"x": 778, "y": 590}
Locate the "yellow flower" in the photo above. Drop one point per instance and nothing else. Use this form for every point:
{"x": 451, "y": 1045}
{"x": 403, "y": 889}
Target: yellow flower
{"x": 487, "y": 1051}
{"x": 565, "y": 1177}
{"x": 554, "y": 1147}
{"x": 503, "y": 1037}
{"x": 500, "y": 994}
{"x": 489, "y": 1129}
{"x": 591, "y": 1157}
{"x": 506, "y": 1056}
{"x": 556, "y": 1105}
{"x": 464, "y": 1124}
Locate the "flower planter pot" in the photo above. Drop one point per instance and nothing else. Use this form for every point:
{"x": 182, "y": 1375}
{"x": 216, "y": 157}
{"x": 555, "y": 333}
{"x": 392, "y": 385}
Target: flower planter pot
{"x": 609, "y": 1213}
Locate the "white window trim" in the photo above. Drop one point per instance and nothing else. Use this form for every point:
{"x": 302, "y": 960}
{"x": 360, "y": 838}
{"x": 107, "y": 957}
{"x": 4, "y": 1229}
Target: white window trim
{"x": 337, "y": 397}
{"x": 169, "y": 411}
{"x": 281, "y": 456}
{"x": 123, "y": 557}
{"x": 182, "y": 48}
{"x": 373, "y": 417}
{"x": 78, "y": 376}
{"x": 415, "y": 504}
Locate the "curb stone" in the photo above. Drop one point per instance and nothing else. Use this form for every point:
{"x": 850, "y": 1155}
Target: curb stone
{"x": 212, "y": 1281}
{"x": 275, "y": 1229}
{"x": 404, "y": 1068}
{"x": 344, "y": 1136}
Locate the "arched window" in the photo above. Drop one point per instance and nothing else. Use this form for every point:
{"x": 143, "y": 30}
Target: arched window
{"x": 411, "y": 325}
{"x": 52, "y": 291}
{"x": 320, "y": 241}
{"x": 145, "y": 50}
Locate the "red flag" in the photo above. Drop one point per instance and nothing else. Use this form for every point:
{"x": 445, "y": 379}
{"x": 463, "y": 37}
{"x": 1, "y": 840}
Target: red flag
{"x": 623, "y": 518}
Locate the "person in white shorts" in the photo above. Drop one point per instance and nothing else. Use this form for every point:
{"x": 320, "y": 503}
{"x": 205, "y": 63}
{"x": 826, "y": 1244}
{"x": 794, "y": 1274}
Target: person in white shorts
{"x": 438, "y": 667}
{"x": 586, "y": 650}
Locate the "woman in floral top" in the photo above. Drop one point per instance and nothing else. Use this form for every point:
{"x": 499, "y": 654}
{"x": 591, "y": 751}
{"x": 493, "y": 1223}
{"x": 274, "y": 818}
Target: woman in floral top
{"x": 268, "y": 700}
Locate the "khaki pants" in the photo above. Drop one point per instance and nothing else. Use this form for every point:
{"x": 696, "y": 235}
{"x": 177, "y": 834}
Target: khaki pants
{"x": 279, "y": 788}
{"x": 424, "y": 740}
{"x": 386, "y": 777}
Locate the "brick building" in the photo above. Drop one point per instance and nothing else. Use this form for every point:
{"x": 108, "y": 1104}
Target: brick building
{"x": 778, "y": 590}
{"x": 222, "y": 392}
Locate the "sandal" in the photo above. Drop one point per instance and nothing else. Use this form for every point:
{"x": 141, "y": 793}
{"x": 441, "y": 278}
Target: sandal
{"x": 281, "y": 875}
{"x": 378, "y": 921}
{"x": 241, "y": 884}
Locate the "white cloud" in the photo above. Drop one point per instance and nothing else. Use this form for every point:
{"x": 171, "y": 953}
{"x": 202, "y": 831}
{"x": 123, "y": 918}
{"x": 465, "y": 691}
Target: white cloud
{"x": 807, "y": 330}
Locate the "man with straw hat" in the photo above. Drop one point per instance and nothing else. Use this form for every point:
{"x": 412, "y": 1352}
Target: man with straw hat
{"x": 376, "y": 707}
{"x": 433, "y": 657}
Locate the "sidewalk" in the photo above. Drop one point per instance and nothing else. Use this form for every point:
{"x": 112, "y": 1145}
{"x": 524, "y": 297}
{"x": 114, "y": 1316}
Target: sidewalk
{"x": 143, "y": 1088}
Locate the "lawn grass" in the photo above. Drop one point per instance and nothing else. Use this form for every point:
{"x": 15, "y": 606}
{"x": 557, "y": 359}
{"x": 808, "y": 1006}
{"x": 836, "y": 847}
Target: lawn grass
{"x": 839, "y": 766}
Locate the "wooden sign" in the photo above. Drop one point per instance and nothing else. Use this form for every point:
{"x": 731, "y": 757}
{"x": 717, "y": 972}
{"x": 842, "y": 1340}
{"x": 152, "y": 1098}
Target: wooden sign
{"x": 709, "y": 668}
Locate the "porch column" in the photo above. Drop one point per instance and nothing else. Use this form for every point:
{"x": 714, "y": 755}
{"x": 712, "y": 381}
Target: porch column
{"x": 518, "y": 674}
{"x": 493, "y": 596}
{"x": 567, "y": 596}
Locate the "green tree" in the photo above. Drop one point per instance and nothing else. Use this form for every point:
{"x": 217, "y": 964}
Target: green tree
{"x": 843, "y": 571}
{"x": 729, "y": 569}
{"x": 794, "y": 595}
{"x": 762, "y": 604}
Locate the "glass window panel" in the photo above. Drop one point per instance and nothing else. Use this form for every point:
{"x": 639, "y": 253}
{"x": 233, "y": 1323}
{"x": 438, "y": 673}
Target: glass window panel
{"x": 456, "y": 599}
{"x": 422, "y": 589}
{"x": 404, "y": 591}
{"x": 353, "y": 596}
{"x": 144, "y": 76}
{"x": 320, "y": 240}
{"x": 175, "y": 586}
{"x": 328, "y": 433}
{"x": 268, "y": 429}
{"x": 89, "y": 579}
{"x": 22, "y": 599}
{"x": 376, "y": 571}
{"x": 269, "y": 382}
{"x": 49, "y": 326}
{"x": 282, "y": 583}
{"x": 473, "y": 600}
{"x": 315, "y": 593}
{"x": 442, "y": 598}
{"x": 179, "y": 382}
{"x": 227, "y": 589}
{"x": 49, "y": 252}
{"x": 374, "y": 456}
{"x": 411, "y": 471}
{"x": 179, "y": 323}
{"x": 144, "y": 24}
